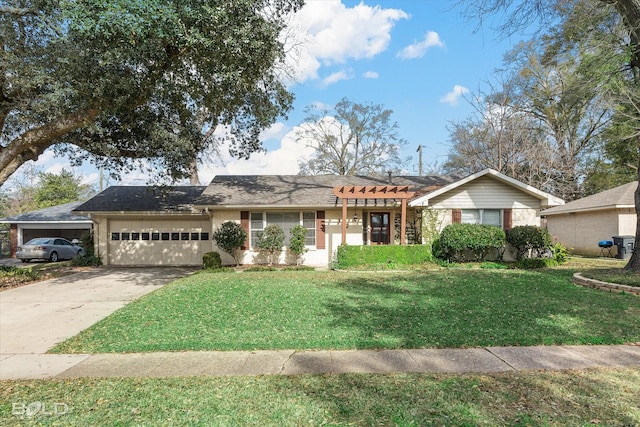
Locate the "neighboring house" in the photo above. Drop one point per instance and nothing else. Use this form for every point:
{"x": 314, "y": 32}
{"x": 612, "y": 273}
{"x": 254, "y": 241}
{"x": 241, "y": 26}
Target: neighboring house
{"x": 581, "y": 224}
{"x": 139, "y": 226}
{"x": 56, "y": 221}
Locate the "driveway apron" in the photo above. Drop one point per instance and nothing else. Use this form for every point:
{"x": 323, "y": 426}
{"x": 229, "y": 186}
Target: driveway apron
{"x": 35, "y": 317}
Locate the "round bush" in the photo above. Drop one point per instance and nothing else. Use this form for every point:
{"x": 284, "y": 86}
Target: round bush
{"x": 211, "y": 261}
{"x": 455, "y": 239}
{"x": 527, "y": 238}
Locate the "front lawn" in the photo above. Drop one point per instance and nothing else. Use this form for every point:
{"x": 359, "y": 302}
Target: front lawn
{"x": 339, "y": 310}
{"x": 607, "y": 397}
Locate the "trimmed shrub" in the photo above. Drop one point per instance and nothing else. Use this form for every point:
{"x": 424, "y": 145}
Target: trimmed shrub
{"x": 296, "y": 244}
{"x": 382, "y": 255}
{"x": 90, "y": 258}
{"x": 560, "y": 253}
{"x": 211, "y": 261}
{"x": 230, "y": 237}
{"x": 529, "y": 238}
{"x": 271, "y": 241}
{"x": 457, "y": 239}
{"x": 536, "y": 263}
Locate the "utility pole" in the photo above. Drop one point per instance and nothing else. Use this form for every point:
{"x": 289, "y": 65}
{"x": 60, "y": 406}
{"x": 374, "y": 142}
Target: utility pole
{"x": 419, "y": 151}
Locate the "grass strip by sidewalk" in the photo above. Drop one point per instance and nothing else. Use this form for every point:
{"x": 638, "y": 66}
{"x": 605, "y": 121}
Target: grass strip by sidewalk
{"x": 569, "y": 398}
{"x": 337, "y": 310}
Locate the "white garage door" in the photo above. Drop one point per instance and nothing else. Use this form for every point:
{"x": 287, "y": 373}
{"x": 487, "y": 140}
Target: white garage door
{"x": 158, "y": 242}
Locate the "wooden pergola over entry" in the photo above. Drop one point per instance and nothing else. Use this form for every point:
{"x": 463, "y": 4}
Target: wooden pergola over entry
{"x": 346, "y": 192}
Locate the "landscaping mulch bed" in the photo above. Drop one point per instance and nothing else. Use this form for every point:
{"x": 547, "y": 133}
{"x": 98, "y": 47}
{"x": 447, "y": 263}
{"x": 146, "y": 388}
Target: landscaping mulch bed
{"x": 10, "y": 281}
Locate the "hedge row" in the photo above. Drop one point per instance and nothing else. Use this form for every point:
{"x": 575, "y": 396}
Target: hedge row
{"x": 352, "y": 256}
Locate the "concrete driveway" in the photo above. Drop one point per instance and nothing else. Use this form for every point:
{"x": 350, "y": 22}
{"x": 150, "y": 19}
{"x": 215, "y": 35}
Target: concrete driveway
{"x": 35, "y": 317}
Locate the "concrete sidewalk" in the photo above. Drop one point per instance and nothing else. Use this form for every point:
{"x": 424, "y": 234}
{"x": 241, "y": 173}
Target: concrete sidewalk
{"x": 290, "y": 362}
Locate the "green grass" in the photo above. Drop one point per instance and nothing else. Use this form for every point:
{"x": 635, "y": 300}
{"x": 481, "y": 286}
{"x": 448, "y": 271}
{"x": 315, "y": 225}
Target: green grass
{"x": 607, "y": 397}
{"x": 614, "y": 275}
{"x": 338, "y": 310}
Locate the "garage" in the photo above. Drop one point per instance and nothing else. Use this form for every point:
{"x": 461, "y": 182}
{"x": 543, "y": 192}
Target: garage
{"x": 158, "y": 242}
{"x": 149, "y": 226}
{"x": 55, "y": 221}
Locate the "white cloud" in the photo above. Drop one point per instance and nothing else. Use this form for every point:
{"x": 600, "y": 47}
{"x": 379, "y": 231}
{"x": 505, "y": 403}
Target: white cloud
{"x": 275, "y": 131}
{"x": 328, "y": 32}
{"x": 419, "y": 48}
{"x": 370, "y": 75}
{"x": 452, "y": 97}
{"x": 336, "y": 77}
{"x": 281, "y": 161}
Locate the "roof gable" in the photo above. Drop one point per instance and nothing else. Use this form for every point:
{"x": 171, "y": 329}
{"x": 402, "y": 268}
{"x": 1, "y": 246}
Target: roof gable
{"x": 545, "y": 198}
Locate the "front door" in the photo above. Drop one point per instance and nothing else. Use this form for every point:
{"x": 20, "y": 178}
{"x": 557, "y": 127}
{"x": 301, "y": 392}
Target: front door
{"x": 380, "y": 229}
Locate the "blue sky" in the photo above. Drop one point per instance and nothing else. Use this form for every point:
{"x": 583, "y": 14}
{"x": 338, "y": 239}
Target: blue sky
{"x": 416, "y": 58}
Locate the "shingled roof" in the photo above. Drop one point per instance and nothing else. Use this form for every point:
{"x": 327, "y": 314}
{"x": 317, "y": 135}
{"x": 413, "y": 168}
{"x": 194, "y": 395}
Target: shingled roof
{"x": 300, "y": 190}
{"x": 59, "y": 213}
{"x": 142, "y": 199}
{"x": 615, "y": 198}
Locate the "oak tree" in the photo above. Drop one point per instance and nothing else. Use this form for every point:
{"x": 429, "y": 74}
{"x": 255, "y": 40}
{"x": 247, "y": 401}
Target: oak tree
{"x": 118, "y": 81}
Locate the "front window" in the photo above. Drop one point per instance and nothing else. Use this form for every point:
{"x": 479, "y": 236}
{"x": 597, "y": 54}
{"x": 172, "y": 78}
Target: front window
{"x": 482, "y": 216}
{"x": 285, "y": 220}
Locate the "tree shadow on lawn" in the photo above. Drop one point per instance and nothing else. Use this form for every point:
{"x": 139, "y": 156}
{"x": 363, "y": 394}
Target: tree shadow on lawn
{"x": 481, "y": 308}
{"x": 522, "y": 398}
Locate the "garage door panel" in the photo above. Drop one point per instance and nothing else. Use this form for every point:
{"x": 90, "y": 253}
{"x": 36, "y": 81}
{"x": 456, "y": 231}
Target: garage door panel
{"x": 158, "y": 252}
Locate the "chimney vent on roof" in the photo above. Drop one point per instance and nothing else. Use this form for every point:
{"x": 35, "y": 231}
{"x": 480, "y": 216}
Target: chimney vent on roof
{"x": 389, "y": 177}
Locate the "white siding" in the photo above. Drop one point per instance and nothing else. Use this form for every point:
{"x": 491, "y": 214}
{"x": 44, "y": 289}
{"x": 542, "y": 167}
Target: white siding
{"x": 485, "y": 193}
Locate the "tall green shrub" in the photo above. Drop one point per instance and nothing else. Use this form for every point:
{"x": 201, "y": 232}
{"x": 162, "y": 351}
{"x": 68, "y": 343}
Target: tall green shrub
{"x": 457, "y": 239}
{"x": 297, "y": 242}
{"x": 230, "y": 237}
{"x": 381, "y": 255}
{"x": 271, "y": 241}
{"x": 529, "y": 239}
{"x": 90, "y": 257}
{"x": 211, "y": 261}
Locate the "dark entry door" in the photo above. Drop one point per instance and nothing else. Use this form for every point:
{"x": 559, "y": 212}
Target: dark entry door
{"x": 380, "y": 230}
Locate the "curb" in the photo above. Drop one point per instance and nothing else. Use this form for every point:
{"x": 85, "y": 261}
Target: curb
{"x": 578, "y": 279}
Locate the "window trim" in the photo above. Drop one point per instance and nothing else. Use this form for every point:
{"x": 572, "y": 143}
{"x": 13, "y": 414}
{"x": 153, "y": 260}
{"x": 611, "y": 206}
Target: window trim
{"x": 481, "y": 214}
{"x": 301, "y": 219}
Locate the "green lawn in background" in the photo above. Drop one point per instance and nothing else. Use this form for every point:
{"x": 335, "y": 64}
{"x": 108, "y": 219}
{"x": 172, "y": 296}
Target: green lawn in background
{"x": 607, "y": 397}
{"x": 347, "y": 310}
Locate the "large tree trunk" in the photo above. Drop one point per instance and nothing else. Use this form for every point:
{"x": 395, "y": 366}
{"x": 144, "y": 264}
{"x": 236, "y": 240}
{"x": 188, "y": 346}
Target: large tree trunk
{"x": 634, "y": 261}
{"x": 630, "y": 12}
{"x": 32, "y": 143}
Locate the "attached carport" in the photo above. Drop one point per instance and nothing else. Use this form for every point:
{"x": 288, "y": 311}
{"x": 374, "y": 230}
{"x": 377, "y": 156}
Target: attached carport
{"x": 56, "y": 221}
